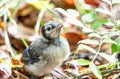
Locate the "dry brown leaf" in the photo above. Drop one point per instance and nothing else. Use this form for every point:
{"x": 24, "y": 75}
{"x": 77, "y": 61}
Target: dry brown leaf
{"x": 15, "y": 33}
{"x": 1, "y": 36}
{"x": 20, "y": 75}
{"x": 69, "y": 2}
{"x": 65, "y": 4}
{"x": 1, "y": 24}
{"x": 27, "y": 14}
{"x": 73, "y": 39}
{"x": 18, "y": 61}
{"x": 94, "y": 3}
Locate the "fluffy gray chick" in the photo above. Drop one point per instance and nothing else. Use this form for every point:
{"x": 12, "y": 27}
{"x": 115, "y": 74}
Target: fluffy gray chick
{"x": 47, "y": 52}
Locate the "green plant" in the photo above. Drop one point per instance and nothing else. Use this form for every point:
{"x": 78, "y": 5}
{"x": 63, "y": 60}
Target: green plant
{"x": 97, "y": 36}
{"x": 6, "y": 7}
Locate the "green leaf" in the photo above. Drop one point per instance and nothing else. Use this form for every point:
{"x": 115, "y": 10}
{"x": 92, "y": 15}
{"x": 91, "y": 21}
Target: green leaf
{"x": 112, "y": 34}
{"x": 79, "y": 6}
{"x": 103, "y": 11}
{"x": 89, "y": 41}
{"x": 72, "y": 12}
{"x": 115, "y": 1}
{"x": 81, "y": 46}
{"x": 117, "y": 41}
{"x": 118, "y": 62}
{"x": 118, "y": 27}
{"x": 108, "y": 40}
{"x": 111, "y": 65}
{"x": 98, "y": 23}
{"x": 95, "y": 70}
{"x": 86, "y": 30}
{"x": 107, "y": 1}
{"x": 94, "y": 35}
{"x": 107, "y": 57}
{"x": 116, "y": 46}
{"x": 39, "y": 4}
{"x": 90, "y": 17}
{"x": 82, "y": 62}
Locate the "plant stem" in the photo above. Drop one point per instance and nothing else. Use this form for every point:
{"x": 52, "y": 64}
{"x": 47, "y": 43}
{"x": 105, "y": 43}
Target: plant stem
{"x": 41, "y": 13}
{"x": 18, "y": 31}
{"x": 112, "y": 15}
{"x": 99, "y": 47}
{"x": 7, "y": 41}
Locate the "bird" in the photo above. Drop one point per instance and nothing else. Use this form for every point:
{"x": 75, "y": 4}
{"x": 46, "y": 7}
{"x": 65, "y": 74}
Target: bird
{"x": 47, "y": 51}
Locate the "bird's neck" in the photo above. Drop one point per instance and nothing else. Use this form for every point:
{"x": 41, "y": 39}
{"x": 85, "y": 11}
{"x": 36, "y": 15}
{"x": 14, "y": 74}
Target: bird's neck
{"x": 50, "y": 40}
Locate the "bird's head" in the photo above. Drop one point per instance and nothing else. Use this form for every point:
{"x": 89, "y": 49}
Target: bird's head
{"x": 51, "y": 30}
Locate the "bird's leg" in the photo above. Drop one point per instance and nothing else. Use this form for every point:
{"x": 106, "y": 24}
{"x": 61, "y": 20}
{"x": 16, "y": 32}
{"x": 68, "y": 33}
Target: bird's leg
{"x": 49, "y": 75}
{"x": 32, "y": 76}
{"x": 53, "y": 76}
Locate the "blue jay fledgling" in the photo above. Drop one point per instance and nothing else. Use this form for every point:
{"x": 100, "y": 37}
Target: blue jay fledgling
{"x": 47, "y": 51}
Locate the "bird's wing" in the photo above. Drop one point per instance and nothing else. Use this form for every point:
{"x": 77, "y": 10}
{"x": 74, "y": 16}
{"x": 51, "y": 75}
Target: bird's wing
{"x": 34, "y": 53}
{"x": 25, "y": 57}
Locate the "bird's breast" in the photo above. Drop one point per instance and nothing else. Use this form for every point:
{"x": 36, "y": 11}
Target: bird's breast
{"x": 58, "y": 52}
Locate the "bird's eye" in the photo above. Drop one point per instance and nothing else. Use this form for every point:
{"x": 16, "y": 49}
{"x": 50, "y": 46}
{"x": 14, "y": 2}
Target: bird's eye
{"x": 48, "y": 29}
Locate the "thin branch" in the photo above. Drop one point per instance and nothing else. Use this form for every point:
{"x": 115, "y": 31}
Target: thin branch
{"x": 99, "y": 47}
{"x": 79, "y": 76}
{"x": 113, "y": 16}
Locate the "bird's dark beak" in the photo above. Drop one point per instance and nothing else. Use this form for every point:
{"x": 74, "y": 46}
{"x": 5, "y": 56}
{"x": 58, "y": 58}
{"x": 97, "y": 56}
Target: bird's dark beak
{"x": 55, "y": 33}
{"x": 58, "y": 28}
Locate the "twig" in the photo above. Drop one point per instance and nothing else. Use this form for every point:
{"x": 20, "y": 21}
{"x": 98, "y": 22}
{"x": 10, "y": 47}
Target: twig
{"x": 20, "y": 74}
{"x": 79, "y": 76}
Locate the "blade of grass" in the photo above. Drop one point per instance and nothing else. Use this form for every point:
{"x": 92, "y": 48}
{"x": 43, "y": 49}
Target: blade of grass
{"x": 54, "y": 15}
{"x": 41, "y": 13}
{"x": 98, "y": 49}
{"x": 2, "y": 2}
{"x": 10, "y": 65}
{"x": 7, "y": 41}
{"x": 18, "y": 4}
{"x": 1, "y": 13}
{"x": 5, "y": 62}
{"x": 80, "y": 7}
{"x": 95, "y": 70}
{"x": 21, "y": 36}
